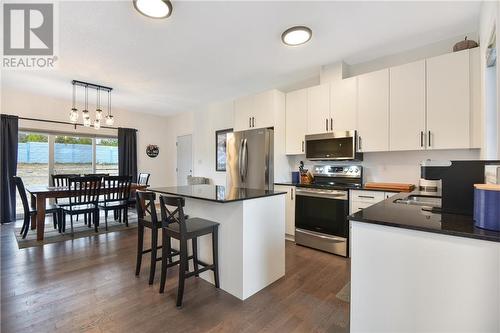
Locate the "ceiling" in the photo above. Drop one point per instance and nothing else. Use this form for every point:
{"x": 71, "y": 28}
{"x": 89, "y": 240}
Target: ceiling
{"x": 213, "y": 51}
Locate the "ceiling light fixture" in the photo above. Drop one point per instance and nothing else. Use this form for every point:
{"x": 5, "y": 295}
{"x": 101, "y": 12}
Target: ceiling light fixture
{"x": 154, "y": 8}
{"x": 297, "y": 35}
{"x": 98, "y": 118}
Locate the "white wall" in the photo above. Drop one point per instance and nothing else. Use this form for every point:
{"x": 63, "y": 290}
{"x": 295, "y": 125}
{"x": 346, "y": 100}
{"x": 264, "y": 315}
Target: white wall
{"x": 402, "y": 167}
{"x": 151, "y": 129}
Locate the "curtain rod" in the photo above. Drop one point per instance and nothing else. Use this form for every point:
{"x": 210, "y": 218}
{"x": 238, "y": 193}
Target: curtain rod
{"x": 65, "y": 123}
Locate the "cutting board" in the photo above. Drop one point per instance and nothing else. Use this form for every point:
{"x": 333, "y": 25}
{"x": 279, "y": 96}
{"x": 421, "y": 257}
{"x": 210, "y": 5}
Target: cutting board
{"x": 395, "y": 187}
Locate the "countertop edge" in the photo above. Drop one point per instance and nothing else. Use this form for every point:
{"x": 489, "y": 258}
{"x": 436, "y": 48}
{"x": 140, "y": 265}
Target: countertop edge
{"x": 216, "y": 201}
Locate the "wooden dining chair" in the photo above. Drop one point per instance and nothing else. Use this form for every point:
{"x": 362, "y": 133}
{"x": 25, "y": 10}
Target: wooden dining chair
{"x": 175, "y": 225}
{"x": 116, "y": 196}
{"x": 31, "y": 211}
{"x": 84, "y": 200}
{"x": 143, "y": 179}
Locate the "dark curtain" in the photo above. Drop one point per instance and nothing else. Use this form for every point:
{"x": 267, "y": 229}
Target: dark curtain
{"x": 8, "y": 161}
{"x": 127, "y": 152}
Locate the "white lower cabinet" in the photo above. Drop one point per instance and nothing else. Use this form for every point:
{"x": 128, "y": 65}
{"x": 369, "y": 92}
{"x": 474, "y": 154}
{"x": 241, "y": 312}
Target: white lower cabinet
{"x": 289, "y": 207}
{"x": 361, "y": 199}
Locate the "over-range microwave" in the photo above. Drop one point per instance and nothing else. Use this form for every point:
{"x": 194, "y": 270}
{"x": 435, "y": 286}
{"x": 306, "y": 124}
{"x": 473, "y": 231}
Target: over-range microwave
{"x": 332, "y": 146}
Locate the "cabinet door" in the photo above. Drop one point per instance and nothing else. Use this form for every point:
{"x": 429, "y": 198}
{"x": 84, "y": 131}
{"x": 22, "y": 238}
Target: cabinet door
{"x": 289, "y": 207}
{"x": 263, "y": 112}
{"x": 407, "y": 106}
{"x": 318, "y": 109}
{"x": 373, "y": 111}
{"x": 343, "y": 108}
{"x": 243, "y": 108}
{"x": 448, "y": 101}
{"x": 296, "y": 120}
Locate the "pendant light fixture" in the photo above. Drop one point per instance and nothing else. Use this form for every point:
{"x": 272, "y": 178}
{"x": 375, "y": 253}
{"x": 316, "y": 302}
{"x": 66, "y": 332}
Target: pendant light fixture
{"x": 73, "y": 115}
{"x": 157, "y": 9}
{"x": 109, "y": 118}
{"x": 85, "y": 112}
{"x": 98, "y": 119}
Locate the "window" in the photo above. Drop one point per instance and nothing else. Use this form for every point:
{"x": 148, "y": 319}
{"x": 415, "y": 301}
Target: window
{"x": 106, "y": 155}
{"x": 32, "y": 161}
{"x": 43, "y": 154}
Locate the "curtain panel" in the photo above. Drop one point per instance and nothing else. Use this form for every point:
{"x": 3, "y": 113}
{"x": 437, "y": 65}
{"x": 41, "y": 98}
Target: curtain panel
{"x": 127, "y": 152}
{"x": 8, "y": 163}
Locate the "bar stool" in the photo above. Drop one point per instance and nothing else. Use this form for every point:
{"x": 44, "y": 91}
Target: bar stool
{"x": 175, "y": 225}
{"x": 147, "y": 218}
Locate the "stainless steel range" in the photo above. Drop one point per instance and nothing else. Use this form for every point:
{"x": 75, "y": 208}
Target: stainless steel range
{"x": 321, "y": 208}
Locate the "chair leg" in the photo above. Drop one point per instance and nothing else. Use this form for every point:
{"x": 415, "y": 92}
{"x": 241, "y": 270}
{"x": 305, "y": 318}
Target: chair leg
{"x": 154, "y": 250}
{"x": 195, "y": 255}
{"x": 60, "y": 220}
{"x": 54, "y": 219}
{"x": 71, "y": 220}
{"x": 140, "y": 241}
{"x": 182, "y": 271}
{"x": 26, "y": 225}
{"x": 165, "y": 252}
{"x": 63, "y": 222}
{"x": 169, "y": 248}
{"x": 215, "y": 254}
{"x": 96, "y": 220}
{"x": 106, "y": 219}
{"x": 125, "y": 215}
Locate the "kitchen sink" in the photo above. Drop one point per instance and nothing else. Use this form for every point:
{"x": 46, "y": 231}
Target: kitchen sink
{"x": 420, "y": 200}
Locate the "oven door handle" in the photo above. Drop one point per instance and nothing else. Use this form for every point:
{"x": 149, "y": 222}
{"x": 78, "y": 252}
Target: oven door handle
{"x": 323, "y": 236}
{"x": 320, "y": 195}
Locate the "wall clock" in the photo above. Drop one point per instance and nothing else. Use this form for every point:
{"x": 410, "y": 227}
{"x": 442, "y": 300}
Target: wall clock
{"x": 152, "y": 151}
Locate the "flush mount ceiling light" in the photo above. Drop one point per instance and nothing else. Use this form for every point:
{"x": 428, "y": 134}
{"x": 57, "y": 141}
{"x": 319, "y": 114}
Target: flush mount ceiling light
{"x": 297, "y": 35}
{"x": 154, "y": 8}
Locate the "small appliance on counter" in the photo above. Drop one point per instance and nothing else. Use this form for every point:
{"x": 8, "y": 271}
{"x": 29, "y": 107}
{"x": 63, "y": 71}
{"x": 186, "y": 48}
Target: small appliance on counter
{"x": 487, "y": 206}
{"x": 457, "y": 182}
{"x": 321, "y": 208}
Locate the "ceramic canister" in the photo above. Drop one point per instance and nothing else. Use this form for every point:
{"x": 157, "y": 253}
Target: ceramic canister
{"x": 487, "y": 206}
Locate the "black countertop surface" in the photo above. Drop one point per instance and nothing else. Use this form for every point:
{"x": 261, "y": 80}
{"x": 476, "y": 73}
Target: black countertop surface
{"x": 215, "y": 193}
{"x": 412, "y": 217}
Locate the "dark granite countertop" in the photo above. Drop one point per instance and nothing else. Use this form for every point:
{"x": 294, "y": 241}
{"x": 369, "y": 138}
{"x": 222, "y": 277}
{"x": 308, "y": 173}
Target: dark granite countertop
{"x": 391, "y": 214}
{"x": 216, "y": 193}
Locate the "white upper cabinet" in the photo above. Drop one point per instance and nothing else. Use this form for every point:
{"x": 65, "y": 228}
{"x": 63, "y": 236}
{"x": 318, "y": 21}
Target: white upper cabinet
{"x": 407, "y": 106}
{"x": 243, "y": 108}
{"x": 448, "y": 101}
{"x": 373, "y": 111}
{"x": 318, "y": 109}
{"x": 343, "y": 104}
{"x": 255, "y": 111}
{"x": 296, "y": 121}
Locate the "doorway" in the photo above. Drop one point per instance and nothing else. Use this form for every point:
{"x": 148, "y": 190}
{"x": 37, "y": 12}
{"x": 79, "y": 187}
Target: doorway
{"x": 184, "y": 159}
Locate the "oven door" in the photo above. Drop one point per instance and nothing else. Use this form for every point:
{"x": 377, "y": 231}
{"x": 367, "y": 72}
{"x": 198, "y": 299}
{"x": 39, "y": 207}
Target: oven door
{"x": 321, "y": 213}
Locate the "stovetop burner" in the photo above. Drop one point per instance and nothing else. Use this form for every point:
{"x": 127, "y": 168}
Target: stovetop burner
{"x": 336, "y": 177}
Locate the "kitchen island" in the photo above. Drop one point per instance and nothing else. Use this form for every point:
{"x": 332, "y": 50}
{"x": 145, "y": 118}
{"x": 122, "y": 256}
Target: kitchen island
{"x": 417, "y": 271}
{"x": 251, "y": 234}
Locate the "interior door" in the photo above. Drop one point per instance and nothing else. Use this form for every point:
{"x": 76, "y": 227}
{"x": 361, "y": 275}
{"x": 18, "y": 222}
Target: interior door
{"x": 184, "y": 159}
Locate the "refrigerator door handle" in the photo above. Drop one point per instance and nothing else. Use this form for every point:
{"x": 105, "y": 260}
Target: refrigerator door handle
{"x": 240, "y": 160}
{"x": 244, "y": 159}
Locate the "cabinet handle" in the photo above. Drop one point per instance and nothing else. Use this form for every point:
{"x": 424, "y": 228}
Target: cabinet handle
{"x": 253, "y": 122}
{"x": 291, "y": 194}
{"x": 421, "y": 138}
{"x": 302, "y": 146}
{"x": 359, "y": 143}
{"x": 331, "y": 124}
{"x": 249, "y": 122}
{"x": 366, "y": 196}
{"x": 429, "y": 139}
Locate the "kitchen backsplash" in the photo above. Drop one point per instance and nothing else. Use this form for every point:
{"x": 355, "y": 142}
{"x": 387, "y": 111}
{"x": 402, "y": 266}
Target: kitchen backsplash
{"x": 401, "y": 167}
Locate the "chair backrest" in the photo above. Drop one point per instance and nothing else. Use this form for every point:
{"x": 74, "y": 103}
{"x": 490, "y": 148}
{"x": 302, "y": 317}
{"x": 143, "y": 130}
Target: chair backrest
{"x": 145, "y": 205}
{"x": 169, "y": 216}
{"x": 102, "y": 175}
{"x": 86, "y": 190}
{"x": 117, "y": 188}
{"x": 22, "y": 193}
{"x": 143, "y": 178}
{"x": 61, "y": 180}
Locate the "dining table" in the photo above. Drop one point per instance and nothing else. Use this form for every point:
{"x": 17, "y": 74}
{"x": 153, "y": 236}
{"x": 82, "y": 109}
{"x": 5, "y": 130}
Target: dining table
{"x": 40, "y": 193}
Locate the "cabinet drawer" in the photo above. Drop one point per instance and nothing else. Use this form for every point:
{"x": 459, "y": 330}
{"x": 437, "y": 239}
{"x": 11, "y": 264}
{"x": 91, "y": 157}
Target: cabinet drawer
{"x": 367, "y": 196}
{"x": 356, "y": 206}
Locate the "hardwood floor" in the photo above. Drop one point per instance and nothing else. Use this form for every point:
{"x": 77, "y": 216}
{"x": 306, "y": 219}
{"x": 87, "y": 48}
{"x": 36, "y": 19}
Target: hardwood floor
{"x": 88, "y": 285}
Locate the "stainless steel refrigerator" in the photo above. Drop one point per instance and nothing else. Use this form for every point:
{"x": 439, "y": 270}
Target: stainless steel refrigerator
{"x": 250, "y": 159}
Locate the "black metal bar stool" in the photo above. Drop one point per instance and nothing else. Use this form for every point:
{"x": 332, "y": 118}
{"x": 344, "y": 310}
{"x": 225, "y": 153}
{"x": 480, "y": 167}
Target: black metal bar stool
{"x": 147, "y": 218}
{"x": 175, "y": 225}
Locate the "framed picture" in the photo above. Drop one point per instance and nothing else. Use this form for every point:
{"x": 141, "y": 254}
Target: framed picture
{"x": 220, "y": 149}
